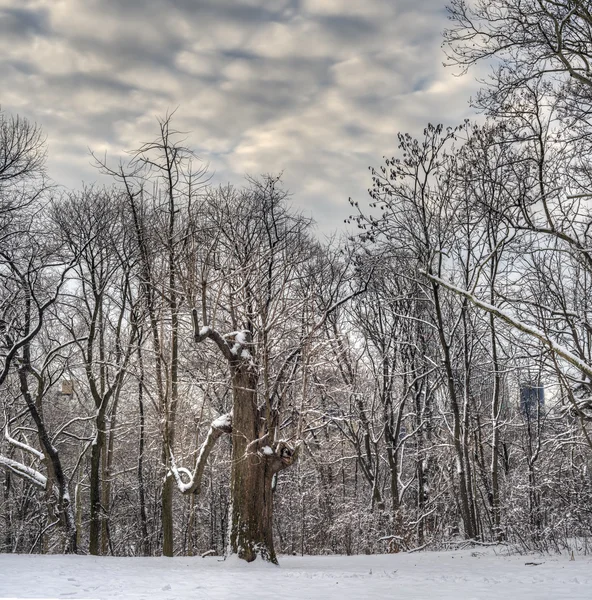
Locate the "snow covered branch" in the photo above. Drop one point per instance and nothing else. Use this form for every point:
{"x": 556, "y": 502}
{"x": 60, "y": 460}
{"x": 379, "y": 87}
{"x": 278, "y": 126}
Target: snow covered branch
{"x": 530, "y": 330}
{"x": 22, "y": 446}
{"x": 200, "y": 334}
{"x": 233, "y": 345}
{"x": 28, "y": 473}
{"x": 191, "y": 485}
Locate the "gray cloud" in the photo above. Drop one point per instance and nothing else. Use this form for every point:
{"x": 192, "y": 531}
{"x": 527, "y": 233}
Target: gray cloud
{"x": 22, "y": 22}
{"x": 315, "y": 88}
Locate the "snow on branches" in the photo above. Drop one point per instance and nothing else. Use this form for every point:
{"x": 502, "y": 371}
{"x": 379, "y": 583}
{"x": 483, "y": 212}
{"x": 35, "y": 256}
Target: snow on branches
{"x": 220, "y": 426}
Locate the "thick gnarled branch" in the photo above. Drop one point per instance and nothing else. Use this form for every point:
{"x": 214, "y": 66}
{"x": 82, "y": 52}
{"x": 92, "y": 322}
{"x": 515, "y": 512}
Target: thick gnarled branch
{"x": 222, "y": 425}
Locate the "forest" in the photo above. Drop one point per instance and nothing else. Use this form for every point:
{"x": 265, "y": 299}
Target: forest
{"x": 189, "y": 368}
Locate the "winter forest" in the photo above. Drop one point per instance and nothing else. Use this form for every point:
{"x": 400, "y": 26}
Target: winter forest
{"x": 188, "y": 368}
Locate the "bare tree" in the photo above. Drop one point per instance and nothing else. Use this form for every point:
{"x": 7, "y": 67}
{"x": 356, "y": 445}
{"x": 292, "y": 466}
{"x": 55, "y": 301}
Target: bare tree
{"x": 97, "y": 317}
{"x": 31, "y": 276}
{"x": 528, "y": 38}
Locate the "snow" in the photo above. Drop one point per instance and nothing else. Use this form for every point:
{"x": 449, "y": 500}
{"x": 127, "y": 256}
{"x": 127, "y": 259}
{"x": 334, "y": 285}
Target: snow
{"x": 223, "y": 421}
{"x": 455, "y": 575}
{"x": 241, "y": 337}
{"x": 267, "y": 451}
{"x": 240, "y": 341}
{"x": 184, "y": 487}
{"x": 204, "y": 331}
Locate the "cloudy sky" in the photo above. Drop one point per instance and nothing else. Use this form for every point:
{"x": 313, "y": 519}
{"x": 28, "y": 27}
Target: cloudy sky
{"x": 317, "y": 89}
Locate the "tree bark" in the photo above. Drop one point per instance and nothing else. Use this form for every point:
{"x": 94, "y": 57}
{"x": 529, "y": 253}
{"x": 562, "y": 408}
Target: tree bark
{"x": 55, "y": 471}
{"x": 95, "y": 486}
{"x": 251, "y": 526}
{"x": 141, "y": 433}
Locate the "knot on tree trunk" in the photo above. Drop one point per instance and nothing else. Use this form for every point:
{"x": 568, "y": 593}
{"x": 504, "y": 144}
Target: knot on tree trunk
{"x": 280, "y": 455}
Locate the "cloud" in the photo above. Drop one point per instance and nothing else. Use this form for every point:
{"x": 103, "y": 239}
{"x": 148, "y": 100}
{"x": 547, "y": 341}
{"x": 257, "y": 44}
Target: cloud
{"x": 22, "y": 23}
{"x": 317, "y": 89}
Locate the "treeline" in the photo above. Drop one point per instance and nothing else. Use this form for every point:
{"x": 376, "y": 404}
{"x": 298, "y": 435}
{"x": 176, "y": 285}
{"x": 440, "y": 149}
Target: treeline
{"x": 180, "y": 361}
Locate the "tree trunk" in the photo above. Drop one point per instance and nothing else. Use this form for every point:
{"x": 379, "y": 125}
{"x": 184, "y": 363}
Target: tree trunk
{"x": 141, "y": 488}
{"x": 251, "y": 523}
{"x": 7, "y": 520}
{"x": 55, "y": 472}
{"x": 167, "y": 514}
{"x": 256, "y": 457}
{"x": 78, "y": 505}
{"x": 457, "y": 432}
{"x": 95, "y": 487}
{"x": 495, "y": 442}
{"x": 105, "y": 495}
{"x": 495, "y": 413}
{"x": 420, "y": 458}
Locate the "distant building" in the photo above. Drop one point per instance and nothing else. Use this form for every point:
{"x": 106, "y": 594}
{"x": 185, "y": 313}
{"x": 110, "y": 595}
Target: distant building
{"x": 531, "y": 396}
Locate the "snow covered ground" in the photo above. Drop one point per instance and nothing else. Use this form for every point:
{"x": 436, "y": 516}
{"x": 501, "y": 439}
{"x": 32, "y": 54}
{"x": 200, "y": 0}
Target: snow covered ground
{"x": 460, "y": 575}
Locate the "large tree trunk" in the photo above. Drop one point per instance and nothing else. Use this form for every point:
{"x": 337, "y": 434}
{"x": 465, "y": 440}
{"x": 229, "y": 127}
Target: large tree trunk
{"x": 251, "y": 523}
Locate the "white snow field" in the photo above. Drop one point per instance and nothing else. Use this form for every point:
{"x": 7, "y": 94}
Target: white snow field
{"x": 459, "y": 575}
